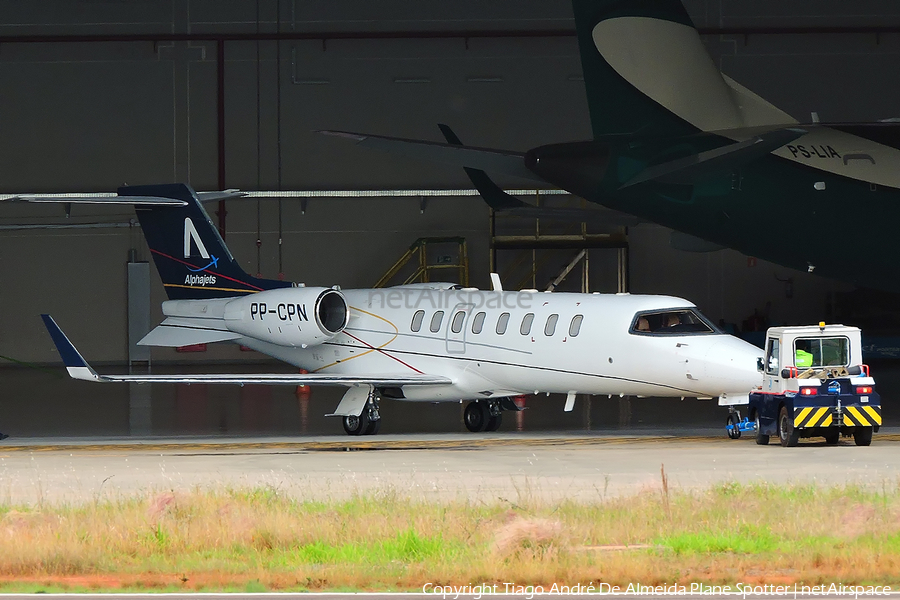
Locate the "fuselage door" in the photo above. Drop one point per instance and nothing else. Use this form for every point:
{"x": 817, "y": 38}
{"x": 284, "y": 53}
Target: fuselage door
{"x": 456, "y": 328}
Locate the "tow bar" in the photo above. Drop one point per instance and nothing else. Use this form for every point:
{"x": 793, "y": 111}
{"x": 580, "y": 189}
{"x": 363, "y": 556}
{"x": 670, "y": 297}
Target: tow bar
{"x": 735, "y": 425}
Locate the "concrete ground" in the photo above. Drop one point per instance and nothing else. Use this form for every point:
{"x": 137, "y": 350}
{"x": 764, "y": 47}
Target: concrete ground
{"x": 451, "y": 466}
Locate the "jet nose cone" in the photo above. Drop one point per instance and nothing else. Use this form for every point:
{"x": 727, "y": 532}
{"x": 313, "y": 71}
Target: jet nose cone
{"x": 731, "y": 366}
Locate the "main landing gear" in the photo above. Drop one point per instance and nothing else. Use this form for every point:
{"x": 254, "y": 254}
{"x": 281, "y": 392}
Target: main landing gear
{"x": 368, "y": 422}
{"x": 487, "y": 415}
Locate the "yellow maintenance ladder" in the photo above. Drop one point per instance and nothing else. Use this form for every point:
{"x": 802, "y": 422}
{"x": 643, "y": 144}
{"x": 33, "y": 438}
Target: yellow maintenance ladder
{"x": 419, "y": 250}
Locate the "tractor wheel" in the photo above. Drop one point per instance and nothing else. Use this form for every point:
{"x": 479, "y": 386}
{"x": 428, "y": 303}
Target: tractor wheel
{"x": 761, "y": 438}
{"x": 863, "y": 436}
{"x": 788, "y": 435}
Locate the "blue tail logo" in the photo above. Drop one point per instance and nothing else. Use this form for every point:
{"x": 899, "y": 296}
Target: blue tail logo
{"x": 183, "y": 238}
{"x": 213, "y": 262}
{"x": 190, "y": 233}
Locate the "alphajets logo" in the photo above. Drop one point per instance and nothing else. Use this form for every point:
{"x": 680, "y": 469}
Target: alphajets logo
{"x": 191, "y": 234}
{"x": 201, "y": 280}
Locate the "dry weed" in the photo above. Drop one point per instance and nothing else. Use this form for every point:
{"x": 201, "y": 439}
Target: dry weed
{"x": 210, "y": 540}
{"x": 534, "y": 537}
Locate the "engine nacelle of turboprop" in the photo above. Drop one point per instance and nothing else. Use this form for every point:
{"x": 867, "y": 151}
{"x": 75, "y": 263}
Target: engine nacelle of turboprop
{"x": 296, "y": 317}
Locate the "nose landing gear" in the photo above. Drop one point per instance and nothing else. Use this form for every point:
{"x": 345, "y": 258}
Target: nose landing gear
{"x": 735, "y": 425}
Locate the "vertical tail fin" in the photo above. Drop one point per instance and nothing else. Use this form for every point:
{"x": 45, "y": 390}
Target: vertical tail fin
{"x": 646, "y": 70}
{"x": 190, "y": 255}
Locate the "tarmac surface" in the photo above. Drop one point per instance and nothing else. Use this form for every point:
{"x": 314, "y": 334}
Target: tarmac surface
{"x": 506, "y": 467}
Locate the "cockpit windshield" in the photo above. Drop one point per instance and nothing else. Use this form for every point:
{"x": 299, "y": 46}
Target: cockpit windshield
{"x": 675, "y": 321}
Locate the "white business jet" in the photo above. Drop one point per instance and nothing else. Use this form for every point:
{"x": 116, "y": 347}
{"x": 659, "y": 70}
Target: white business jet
{"x": 425, "y": 342}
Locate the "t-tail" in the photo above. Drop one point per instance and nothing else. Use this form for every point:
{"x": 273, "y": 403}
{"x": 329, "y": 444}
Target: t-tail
{"x": 190, "y": 255}
{"x": 647, "y": 73}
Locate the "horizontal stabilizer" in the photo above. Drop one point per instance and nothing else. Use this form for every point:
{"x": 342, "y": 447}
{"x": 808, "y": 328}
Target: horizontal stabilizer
{"x": 501, "y": 201}
{"x": 485, "y": 159}
{"x": 94, "y": 199}
{"x": 175, "y": 336}
{"x": 78, "y": 368}
{"x": 495, "y": 197}
{"x": 696, "y": 167}
{"x": 223, "y": 195}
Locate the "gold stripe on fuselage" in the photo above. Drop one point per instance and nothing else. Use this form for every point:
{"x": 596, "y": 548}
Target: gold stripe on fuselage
{"x": 370, "y": 350}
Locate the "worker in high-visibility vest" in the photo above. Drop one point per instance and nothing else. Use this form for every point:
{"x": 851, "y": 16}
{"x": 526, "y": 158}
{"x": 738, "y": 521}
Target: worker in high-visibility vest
{"x": 802, "y": 359}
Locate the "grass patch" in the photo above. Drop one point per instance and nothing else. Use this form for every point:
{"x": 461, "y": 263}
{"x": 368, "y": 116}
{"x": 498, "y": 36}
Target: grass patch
{"x": 259, "y": 540}
{"x": 747, "y": 540}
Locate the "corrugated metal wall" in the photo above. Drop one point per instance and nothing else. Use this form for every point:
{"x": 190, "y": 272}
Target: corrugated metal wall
{"x": 92, "y": 116}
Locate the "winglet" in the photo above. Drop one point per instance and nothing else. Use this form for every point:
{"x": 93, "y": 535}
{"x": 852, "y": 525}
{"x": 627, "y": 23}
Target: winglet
{"x": 77, "y": 367}
{"x": 495, "y": 197}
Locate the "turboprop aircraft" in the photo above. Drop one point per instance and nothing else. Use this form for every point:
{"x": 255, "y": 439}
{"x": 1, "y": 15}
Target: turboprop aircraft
{"x": 678, "y": 143}
{"x": 422, "y": 342}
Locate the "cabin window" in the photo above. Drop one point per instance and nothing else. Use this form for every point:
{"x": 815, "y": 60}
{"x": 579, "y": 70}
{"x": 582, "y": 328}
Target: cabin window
{"x": 478, "y": 322}
{"x": 527, "y": 320}
{"x": 575, "y": 325}
{"x": 502, "y": 322}
{"x": 676, "y": 321}
{"x": 436, "y": 321}
{"x": 458, "y": 319}
{"x": 417, "y": 319}
{"x": 821, "y": 352}
{"x": 550, "y": 327}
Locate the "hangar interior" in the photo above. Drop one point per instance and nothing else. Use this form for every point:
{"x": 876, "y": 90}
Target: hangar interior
{"x": 228, "y": 94}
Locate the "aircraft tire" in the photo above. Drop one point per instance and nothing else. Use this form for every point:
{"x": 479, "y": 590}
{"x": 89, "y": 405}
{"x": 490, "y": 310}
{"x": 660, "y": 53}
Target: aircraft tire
{"x": 732, "y": 427}
{"x": 356, "y": 425}
{"x": 494, "y": 422}
{"x": 476, "y": 416}
{"x": 787, "y": 434}
{"x": 863, "y": 436}
{"x": 373, "y": 427}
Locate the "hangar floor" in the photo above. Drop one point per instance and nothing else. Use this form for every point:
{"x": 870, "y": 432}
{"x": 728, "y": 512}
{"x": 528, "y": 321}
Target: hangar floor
{"x": 45, "y": 403}
{"x": 37, "y": 403}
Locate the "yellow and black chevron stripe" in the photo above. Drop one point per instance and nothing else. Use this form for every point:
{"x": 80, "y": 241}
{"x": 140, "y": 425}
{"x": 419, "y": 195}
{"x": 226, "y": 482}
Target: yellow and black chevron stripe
{"x": 864, "y": 416}
{"x": 811, "y": 416}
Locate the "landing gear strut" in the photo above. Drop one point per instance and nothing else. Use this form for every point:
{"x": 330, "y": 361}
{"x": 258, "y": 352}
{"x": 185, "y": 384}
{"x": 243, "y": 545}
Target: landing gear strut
{"x": 369, "y": 420}
{"x": 483, "y": 415}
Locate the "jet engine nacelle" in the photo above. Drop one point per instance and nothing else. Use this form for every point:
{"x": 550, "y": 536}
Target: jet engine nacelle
{"x": 303, "y": 316}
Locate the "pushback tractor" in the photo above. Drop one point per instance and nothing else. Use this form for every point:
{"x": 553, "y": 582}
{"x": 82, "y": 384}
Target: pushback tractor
{"x": 814, "y": 385}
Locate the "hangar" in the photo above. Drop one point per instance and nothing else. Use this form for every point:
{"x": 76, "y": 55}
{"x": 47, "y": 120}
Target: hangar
{"x": 228, "y": 95}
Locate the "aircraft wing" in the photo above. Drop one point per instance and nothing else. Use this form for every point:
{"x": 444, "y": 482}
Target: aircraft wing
{"x": 78, "y": 368}
{"x": 485, "y": 159}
